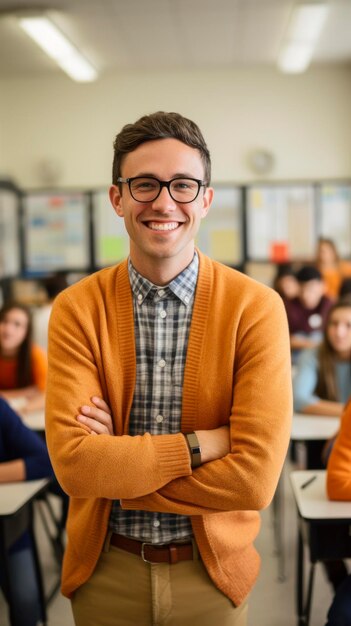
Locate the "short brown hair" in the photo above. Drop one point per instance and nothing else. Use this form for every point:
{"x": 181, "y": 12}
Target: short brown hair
{"x": 159, "y": 125}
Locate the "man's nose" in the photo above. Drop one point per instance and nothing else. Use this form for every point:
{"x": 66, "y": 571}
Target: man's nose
{"x": 164, "y": 202}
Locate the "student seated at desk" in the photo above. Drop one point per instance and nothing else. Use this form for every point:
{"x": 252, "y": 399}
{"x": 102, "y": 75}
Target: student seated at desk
{"x": 331, "y": 267}
{"x": 339, "y": 488}
{"x": 308, "y": 311}
{"x": 322, "y": 381}
{"x": 322, "y": 386}
{"x": 23, "y": 456}
{"x": 285, "y": 281}
{"x": 23, "y": 366}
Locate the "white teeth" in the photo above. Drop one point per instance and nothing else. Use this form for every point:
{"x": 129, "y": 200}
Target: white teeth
{"x": 163, "y": 225}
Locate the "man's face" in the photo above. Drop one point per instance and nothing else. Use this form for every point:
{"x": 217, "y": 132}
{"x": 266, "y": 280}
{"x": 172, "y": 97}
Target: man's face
{"x": 162, "y": 231}
{"x": 311, "y": 293}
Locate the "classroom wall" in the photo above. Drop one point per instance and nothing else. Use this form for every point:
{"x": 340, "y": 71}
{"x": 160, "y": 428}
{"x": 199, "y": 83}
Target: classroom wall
{"x": 52, "y": 126}
{"x": 3, "y": 167}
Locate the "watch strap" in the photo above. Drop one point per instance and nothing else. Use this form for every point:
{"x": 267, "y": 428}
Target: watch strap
{"x": 194, "y": 448}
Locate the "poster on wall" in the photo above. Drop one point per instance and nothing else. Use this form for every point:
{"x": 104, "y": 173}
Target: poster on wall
{"x": 220, "y": 235}
{"x": 281, "y": 218}
{"x": 335, "y": 221}
{"x": 9, "y": 243}
{"x": 111, "y": 241}
{"x": 56, "y": 231}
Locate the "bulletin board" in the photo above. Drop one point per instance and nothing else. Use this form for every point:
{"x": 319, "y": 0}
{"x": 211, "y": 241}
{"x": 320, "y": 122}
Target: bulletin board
{"x": 10, "y": 254}
{"x": 111, "y": 241}
{"x": 56, "y": 231}
{"x": 335, "y": 215}
{"x": 281, "y": 219}
{"x": 221, "y": 231}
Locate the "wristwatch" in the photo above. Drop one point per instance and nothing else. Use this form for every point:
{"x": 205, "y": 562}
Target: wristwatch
{"x": 194, "y": 448}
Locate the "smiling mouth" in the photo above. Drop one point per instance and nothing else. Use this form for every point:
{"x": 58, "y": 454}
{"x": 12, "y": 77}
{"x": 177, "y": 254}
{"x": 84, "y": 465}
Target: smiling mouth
{"x": 162, "y": 226}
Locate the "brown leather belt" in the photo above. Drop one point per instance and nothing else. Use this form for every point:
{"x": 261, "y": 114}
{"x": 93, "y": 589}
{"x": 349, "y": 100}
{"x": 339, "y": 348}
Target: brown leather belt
{"x": 151, "y": 553}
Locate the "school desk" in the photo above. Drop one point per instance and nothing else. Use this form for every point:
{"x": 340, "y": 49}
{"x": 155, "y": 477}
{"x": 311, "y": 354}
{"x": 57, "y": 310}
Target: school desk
{"x": 323, "y": 530}
{"x": 16, "y": 516}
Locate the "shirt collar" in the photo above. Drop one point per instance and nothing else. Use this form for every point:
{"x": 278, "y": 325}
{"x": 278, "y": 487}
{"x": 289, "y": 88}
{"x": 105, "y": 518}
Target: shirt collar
{"x": 182, "y": 286}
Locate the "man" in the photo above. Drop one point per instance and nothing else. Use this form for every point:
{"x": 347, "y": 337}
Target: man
{"x": 308, "y": 311}
{"x": 193, "y": 360}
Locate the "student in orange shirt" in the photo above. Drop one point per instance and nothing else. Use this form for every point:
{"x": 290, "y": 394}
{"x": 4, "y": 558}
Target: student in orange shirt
{"x": 23, "y": 365}
{"x": 333, "y": 270}
{"x": 339, "y": 488}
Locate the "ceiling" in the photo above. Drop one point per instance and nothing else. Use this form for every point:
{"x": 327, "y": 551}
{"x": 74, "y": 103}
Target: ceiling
{"x": 159, "y": 34}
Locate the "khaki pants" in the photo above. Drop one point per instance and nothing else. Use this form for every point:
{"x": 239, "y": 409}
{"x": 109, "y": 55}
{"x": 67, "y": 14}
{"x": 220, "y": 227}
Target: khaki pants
{"x": 126, "y": 591}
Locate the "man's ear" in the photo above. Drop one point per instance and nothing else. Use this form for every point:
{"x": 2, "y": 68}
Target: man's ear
{"x": 207, "y": 201}
{"x": 116, "y": 199}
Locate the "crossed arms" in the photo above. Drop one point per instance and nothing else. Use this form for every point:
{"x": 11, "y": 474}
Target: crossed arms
{"x": 153, "y": 472}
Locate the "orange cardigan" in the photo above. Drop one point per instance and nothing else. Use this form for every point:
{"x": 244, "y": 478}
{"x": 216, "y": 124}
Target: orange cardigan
{"x": 237, "y": 372}
{"x": 339, "y": 464}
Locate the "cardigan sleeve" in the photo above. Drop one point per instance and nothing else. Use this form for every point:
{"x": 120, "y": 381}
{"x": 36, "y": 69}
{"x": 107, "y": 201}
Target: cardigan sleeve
{"x": 305, "y": 380}
{"x": 105, "y": 466}
{"x": 17, "y": 441}
{"x": 260, "y": 420}
{"x": 339, "y": 463}
{"x": 40, "y": 367}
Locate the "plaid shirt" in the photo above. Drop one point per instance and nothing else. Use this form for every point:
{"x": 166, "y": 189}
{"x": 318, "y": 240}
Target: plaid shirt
{"x": 162, "y": 317}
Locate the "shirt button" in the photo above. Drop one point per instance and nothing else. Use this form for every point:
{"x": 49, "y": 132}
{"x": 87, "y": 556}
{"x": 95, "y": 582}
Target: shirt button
{"x": 156, "y": 523}
{"x": 186, "y": 299}
{"x": 159, "y": 419}
{"x": 140, "y": 297}
{"x": 161, "y": 363}
{"x": 163, "y": 314}
{"x": 161, "y": 292}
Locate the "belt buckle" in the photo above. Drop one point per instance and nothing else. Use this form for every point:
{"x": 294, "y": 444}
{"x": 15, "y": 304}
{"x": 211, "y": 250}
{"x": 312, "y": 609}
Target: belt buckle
{"x": 145, "y": 543}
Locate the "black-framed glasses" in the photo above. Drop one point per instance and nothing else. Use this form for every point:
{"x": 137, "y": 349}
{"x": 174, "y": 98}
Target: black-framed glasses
{"x": 148, "y": 188}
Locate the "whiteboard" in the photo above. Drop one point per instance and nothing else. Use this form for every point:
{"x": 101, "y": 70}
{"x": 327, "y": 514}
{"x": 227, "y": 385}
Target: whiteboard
{"x": 10, "y": 263}
{"x": 111, "y": 241}
{"x": 56, "y": 231}
{"x": 281, "y": 214}
{"x": 220, "y": 235}
{"x": 335, "y": 220}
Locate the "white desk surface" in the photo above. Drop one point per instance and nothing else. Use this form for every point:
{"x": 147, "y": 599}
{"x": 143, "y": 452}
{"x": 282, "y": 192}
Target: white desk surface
{"x": 35, "y": 420}
{"x": 14, "y": 495}
{"x": 312, "y": 501}
{"x": 313, "y": 427}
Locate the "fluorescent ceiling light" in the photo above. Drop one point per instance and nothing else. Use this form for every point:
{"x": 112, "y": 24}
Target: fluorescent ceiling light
{"x": 295, "y": 57}
{"x": 55, "y": 44}
{"x": 307, "y": 22}
{"x": 305, "y": 27}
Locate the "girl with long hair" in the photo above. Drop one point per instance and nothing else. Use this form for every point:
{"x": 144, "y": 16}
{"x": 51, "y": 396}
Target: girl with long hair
{"x": 322, "y": 384}
{"x": 23, "y": 365}
{"x": 332, "y": 268}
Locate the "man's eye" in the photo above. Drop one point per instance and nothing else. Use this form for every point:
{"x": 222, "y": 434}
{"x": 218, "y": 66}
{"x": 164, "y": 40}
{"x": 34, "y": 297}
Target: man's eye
{"x": 145, "y": 184}
{"x": 184, "y": 184}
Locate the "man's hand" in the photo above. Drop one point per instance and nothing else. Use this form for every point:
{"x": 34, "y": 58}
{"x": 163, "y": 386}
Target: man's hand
{"x": 214, "y": 444}
{"x": 97, "y": 418}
